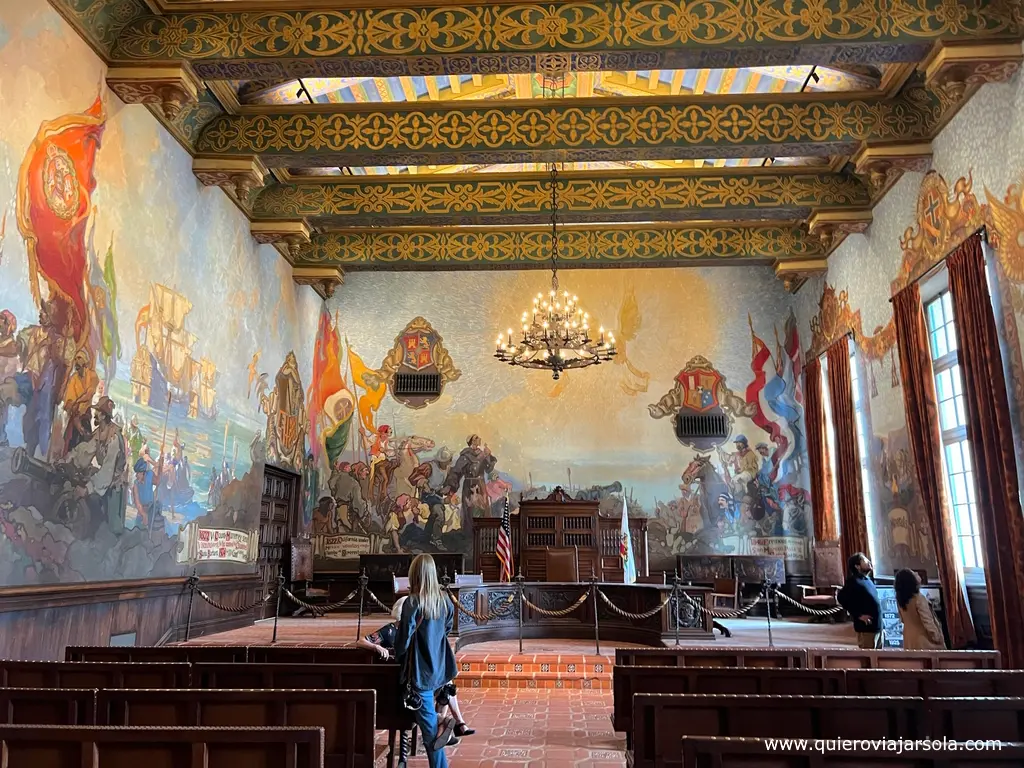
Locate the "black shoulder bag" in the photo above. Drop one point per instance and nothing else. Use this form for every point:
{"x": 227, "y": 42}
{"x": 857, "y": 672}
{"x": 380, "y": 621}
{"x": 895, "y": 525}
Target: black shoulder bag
{"x": 411, "y": 698}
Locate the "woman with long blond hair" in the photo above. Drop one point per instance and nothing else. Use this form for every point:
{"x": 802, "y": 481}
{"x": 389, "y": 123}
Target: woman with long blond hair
{"x": 425, "y": 655}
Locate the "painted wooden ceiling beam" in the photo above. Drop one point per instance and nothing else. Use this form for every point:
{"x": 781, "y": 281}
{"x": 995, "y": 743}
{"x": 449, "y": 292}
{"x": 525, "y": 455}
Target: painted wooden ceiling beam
{"x": 480, "y": 199}
{"x": 573, "y": 129}
{"x": 695, "y": 244}
{"x": 242, "y": 44}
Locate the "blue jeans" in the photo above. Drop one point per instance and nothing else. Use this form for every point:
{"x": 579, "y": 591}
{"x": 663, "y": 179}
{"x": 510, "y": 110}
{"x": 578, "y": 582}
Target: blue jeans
{"x": 426, "y": 719}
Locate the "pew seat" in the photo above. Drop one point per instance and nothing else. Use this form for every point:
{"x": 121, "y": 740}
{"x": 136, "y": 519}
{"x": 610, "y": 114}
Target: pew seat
{"x": 347, "y": 716}
{"x": 47, "y": 706}
{"x": 705, "y": 752}
{"x": 686, "y": 656}
{"x": 66, "y": 674}
{"x": 224, "y": 654}
{"x": 661, "y": 719}
{"x": 628, "y": 681}
{"x": 979, "y": 718}
{"x": 845, "y": 658}
{"x": 38, "y": 746}
{"x": 934, "y": 682}
{"x": 381, "y": 678}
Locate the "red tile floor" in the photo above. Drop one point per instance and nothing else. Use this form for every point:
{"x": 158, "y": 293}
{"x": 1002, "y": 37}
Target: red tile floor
{"x": 521, "y": 728}
{"x": 549, "y": 706}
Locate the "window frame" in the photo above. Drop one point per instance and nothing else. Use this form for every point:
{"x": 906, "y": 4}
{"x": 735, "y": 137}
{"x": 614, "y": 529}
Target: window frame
{"x": 936, "y": 289}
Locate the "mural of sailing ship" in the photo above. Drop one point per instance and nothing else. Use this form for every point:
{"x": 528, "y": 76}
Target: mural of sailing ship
{"x": 164, "y": 372}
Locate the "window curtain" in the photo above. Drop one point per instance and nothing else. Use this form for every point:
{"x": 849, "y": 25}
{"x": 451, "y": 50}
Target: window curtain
{"x": 853, "y": 528}
{"x": 821, "y": 485}
{"x": 920, "y": 404}
{"x": 990, "y": 434}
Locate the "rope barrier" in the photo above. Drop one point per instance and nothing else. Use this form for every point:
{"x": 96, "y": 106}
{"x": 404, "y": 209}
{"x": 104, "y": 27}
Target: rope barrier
{"x": 634, "y": 616}
{"x": 318, "y": 610}
{"x": 239, "y": 609}
{"x": 561, "y": 612}
{"x": 375, "y": 599}
{"x": 811, "y": 611}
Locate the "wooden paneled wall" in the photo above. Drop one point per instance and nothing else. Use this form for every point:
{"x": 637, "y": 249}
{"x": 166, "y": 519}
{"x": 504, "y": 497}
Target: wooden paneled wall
{"x": 38, "y": 622}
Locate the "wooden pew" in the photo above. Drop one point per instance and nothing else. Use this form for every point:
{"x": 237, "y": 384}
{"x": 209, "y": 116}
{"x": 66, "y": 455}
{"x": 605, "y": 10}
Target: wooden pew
{"x": 347, "y": 716}
{"x": 834, "y": 658}
{"x": 382, "y": 678}
{"x": 683, "y": 656}
{"x": 212, "y": 654}
{"x": 224, "y": 654}
{"x": 310, "y": 654}
{"x": 37, "y": 746}
{"x": 934, "y": 682}
{"x": 962, "y": 719}
{"x": 628, "y": 681}
{"x": 66, "y": 674}
{"x": 704, "y": 752}
{"x": 47, "y": 706}
{"x": 661, "y": 719}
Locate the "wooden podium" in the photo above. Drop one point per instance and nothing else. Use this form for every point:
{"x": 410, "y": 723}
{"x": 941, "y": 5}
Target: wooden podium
{"x": 557, "y": 522}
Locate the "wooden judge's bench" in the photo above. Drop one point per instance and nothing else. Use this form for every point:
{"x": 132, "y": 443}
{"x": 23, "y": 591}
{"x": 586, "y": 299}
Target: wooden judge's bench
{"x": 548, "y": 534}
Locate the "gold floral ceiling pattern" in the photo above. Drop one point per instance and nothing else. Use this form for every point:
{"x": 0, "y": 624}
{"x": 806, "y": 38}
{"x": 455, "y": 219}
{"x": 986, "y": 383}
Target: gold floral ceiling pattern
{"x": 388, "y": 133}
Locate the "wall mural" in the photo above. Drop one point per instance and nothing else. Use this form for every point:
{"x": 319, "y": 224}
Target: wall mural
{"x": 395, "y": 480}
{"x": 945, "y": 216}
{"x": 127, "y": 447}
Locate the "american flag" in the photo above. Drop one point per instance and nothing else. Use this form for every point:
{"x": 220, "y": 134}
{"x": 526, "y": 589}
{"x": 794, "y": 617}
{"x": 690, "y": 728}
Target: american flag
{"x": 503, "y": 548}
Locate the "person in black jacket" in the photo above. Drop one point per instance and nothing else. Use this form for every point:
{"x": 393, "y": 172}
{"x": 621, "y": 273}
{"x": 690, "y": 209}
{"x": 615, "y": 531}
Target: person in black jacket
{"x": 860, "y": 599}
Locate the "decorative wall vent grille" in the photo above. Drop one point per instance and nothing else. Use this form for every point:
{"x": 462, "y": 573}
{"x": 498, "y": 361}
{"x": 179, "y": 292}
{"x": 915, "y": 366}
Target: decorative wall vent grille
{"x": 702, "y": 426}
{"x": 417, "y": 384}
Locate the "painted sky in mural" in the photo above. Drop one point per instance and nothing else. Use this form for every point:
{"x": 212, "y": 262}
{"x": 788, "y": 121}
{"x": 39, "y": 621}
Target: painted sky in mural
{"x": 132, "y": 302}
{"x": 413, "y": 479}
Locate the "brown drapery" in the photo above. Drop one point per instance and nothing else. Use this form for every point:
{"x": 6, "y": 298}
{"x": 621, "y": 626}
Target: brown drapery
{"x": 823, "y": 504}
{"x": 853, "y": 527}
{"x": 991, "y": 438}
{"x": 920, "y": 403}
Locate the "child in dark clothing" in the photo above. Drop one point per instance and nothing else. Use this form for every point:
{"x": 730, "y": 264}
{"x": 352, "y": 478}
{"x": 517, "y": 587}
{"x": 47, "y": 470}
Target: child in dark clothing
{"x": 383, "y": 642}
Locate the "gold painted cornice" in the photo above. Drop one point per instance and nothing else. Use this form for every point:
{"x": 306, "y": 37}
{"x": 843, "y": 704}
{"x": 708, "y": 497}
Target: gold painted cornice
{"x": 322, "y": 279}
{"x": 883, "y": 164}
{"x": 238, "y": 175}
{"x": 170, "y": 86}
{"x": 694, "y": 244}
{"x": 528, "y": 198}
{"x": 288, "y": 236}
{"x": 956, "y": 66}
{"x": 832, "y": 225}
{"x": 795, "y": 272}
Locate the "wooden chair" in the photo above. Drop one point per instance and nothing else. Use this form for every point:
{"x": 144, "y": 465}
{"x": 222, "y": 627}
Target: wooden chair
{"x": 725, "y": 594}
{"x": 562, "y": 564}
{"x": 828, "y": 577}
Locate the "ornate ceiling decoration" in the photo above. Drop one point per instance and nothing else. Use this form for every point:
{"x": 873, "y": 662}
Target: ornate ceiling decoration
{"x": 391, "y": 134}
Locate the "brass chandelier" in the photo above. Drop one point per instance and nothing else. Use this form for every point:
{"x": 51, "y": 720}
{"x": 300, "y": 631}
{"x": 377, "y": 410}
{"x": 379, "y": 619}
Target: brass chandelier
{"x": 555, "y": 331}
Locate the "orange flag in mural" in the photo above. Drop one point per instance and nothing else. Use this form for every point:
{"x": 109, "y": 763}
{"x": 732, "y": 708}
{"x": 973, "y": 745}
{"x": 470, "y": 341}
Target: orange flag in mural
{"x": 374, "y": 388}
{"x": 55, "y": 187}
{"x": 331, "y": 405}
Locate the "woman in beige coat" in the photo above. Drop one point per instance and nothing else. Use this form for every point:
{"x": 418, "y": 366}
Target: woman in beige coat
{"x": 921, "y": 628}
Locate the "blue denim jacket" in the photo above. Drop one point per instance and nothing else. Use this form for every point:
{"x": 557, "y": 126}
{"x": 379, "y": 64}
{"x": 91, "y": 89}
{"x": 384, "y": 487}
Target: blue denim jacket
{"x": 433, "y": 662}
